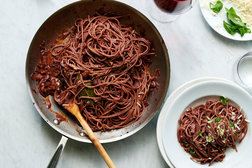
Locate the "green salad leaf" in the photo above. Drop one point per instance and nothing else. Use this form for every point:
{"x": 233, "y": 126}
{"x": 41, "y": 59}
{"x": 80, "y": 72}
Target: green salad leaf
{"x": 216, "y": 8}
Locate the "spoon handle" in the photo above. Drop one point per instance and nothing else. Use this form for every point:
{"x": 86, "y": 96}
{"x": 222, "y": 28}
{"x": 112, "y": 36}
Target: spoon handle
{"x": 95, "y": 141}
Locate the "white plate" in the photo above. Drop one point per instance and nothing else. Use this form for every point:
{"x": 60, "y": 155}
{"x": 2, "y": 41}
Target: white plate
{"x": 198, "y": 91}
{"x": 216, "y": 22}
{"x": 162, "y": 114}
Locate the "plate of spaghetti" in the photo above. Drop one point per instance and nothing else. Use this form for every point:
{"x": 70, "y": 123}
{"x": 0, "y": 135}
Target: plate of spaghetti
{"x": 111, "y": 62}
{"x": 208, "y": 125}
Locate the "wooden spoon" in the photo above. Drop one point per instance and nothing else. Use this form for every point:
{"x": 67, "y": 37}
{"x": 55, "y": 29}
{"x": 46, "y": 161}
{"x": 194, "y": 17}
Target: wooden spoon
{"x": 74, "y": 109}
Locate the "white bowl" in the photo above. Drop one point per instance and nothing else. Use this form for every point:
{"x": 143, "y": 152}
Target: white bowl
{"x": 198, "y": 93}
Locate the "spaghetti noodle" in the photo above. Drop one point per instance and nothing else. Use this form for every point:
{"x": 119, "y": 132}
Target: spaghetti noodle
{"x": 103, "y": 67}
{"x": 207, "y": 130}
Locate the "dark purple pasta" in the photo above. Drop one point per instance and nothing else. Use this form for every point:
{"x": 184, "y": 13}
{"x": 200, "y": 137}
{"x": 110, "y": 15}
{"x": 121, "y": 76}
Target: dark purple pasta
{"x": 103, "y": 67}
{"x": 207, "y": 130}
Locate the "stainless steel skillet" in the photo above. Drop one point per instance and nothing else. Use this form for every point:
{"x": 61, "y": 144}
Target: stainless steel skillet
{"x": 63, "y": 19}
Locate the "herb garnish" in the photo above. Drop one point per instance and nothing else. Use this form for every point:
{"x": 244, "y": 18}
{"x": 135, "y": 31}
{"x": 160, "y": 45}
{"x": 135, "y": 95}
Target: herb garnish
{"x": 216, "y": 8}
{"x": 209, "y": 139}
{"x": 200, "y": 133}
{"x": 231, "y": 125}
{"x": 235, "y": 24}
{"x": 234, "y": 18}
{"x": 223, "y": 100}
{"x": 192, "y": 152}
{"x": 88, "y": 92}
{"x": 236, "y": 133}
{"x": 217, "y": 119}
{"x": 231, "y": 29}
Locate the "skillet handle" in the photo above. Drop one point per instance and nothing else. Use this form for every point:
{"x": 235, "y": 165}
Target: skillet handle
{"x": 54, "y": 161}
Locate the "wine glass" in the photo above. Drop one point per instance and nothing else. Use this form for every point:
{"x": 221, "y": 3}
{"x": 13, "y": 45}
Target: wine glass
{"x": 243, "y": 71}
{"x": 168, "y": 10}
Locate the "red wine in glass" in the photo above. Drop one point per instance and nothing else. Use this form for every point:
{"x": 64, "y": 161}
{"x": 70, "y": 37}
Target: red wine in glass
{"x": 173, "y": 6}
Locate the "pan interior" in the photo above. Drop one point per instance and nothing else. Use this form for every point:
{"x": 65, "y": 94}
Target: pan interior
{"x": 64, "y": 19}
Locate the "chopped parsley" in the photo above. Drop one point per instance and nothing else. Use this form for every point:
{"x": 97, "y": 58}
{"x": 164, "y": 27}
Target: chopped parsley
{"x": 231, "y": 125}
{"x": 223, "y": 100}
{"x": 209, "y": 139}
{"x": 192, "y": 152}
{"x": 217, "y": 119}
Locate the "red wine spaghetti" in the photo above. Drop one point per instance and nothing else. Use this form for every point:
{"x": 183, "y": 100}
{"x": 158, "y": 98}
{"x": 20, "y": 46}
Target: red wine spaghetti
{"x": 207, "y": 130}
{"x": 101, "y": 66}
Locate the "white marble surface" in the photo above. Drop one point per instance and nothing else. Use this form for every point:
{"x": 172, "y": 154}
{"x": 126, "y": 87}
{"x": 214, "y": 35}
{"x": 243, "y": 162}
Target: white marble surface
{"x": 27, "y": 141}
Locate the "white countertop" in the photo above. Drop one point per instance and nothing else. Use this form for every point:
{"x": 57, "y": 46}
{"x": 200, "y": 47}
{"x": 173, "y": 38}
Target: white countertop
{"x": 195, "y": 50}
